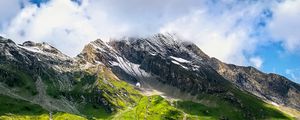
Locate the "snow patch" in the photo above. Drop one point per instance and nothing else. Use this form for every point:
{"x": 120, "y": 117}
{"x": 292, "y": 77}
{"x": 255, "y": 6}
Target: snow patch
{"x": 275, "y": 104}
{"x": 177, "y": 63}
{"x": 195, "y": 67}
{"x": 181, "y": 60}
{"x": 47, "y": 46}
{"x": 97, "y": 47}
{"x": 153, "y": 54}
{"x": 39, "y": 51}
{"x": 32, "y": 49}
{"x": 130, "y": 68}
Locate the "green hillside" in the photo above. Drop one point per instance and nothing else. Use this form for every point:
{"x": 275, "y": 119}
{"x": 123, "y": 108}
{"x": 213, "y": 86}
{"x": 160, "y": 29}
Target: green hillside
{"x": 123, "y": 101}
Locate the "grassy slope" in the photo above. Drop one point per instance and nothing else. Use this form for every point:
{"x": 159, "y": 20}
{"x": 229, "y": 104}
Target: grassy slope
{"x": 217, "y": 108}
{"x": 156, "y": 108}
{"x": 128, "y": 103}
{"x": 151, "y": 108}
{"x": 118, "y": 94}
{"x": 15, "y": 106}
{"x": 16, "y": 78}
{"x": 15, "y": 109}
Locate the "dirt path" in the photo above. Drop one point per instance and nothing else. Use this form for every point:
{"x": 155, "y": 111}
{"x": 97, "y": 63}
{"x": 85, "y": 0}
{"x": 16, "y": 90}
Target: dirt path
{"x": 146, "y": 113}
{"x": 184, "y": 117}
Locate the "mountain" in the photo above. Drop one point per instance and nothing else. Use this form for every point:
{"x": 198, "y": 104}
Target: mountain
{"x": 272, "y": 87}
{"x": 178, "y": 81}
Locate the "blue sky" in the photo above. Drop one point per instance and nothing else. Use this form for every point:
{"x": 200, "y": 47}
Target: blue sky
{"x": 261, "y": 33}
{"x": 38, "y": 2}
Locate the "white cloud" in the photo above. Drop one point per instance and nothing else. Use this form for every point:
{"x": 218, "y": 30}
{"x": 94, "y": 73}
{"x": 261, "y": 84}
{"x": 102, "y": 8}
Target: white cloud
{"x": 285, "y": 26}
{"x": 69, "y": 26}
{"x": 222, "y": 33}
{"x": 256, "y": 61}
{"x": 63, "y": 24}
{"x": 8, "y": 9}
{"x": 225, "y": 33}
{"x": 294, "y": 74}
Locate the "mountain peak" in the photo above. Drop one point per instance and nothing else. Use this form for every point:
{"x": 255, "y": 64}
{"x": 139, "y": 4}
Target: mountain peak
{"x": 40, "y": 47}
{"x": 176, "y": 69}
{"x": 5, "y": 40}
{"x": 163, "y": 48}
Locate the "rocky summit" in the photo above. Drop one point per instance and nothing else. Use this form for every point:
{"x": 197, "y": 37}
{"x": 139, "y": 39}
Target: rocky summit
{"x": 151, "y": 78}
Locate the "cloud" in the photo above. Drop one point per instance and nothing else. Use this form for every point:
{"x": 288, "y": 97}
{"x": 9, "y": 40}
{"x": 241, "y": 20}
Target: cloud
{"x": 70, "y": 24}
{"x": 256, "y": 61}
{"x": 64, "y": 24}
{"x": 224, "y": 33}
{"x": 285, "y": 26}
{"x": 230, "y": 30}
{"x": 8, "y": 9}
{"x": 294, "y": 74}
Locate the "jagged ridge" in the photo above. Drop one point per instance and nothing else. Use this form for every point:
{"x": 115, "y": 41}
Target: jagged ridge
{"x": 91, "y": 85}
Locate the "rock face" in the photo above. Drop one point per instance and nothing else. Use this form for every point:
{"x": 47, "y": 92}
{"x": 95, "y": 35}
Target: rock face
{"x": 270, "y": 86}
{"x": 42, "y": 75}
{"x": 183, "y": 65}
{"x": 159, "y": 58}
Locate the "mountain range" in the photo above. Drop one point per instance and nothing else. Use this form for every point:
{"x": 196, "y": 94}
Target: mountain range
{"x": 178, "y": 81}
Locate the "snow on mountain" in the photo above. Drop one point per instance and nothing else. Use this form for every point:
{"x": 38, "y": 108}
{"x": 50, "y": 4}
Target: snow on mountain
{"x": 181, "y": 60}
{"x": 177, "y": 69}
